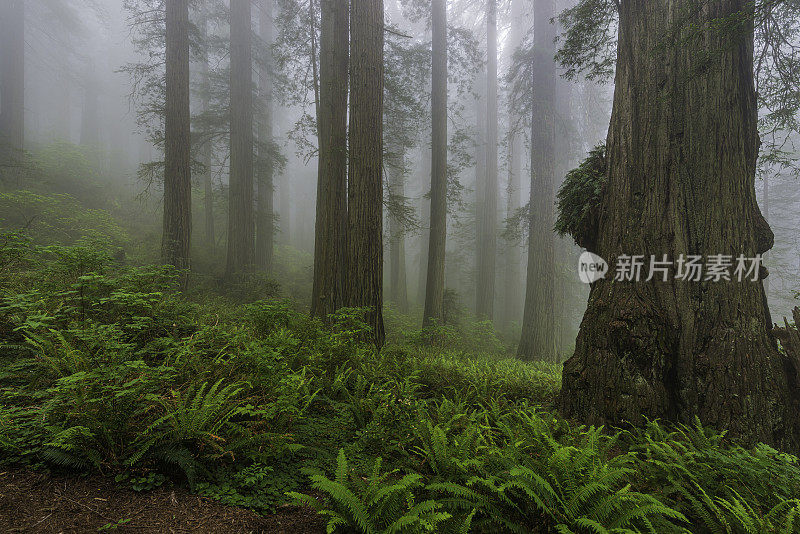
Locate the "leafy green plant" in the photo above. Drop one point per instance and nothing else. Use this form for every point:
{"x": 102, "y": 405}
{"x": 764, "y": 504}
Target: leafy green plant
{"x": 379, "y": 504}
{"x": 578, "y": 200}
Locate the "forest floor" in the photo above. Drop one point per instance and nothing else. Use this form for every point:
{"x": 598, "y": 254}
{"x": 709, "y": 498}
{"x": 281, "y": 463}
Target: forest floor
{"x": 36, "y": 502}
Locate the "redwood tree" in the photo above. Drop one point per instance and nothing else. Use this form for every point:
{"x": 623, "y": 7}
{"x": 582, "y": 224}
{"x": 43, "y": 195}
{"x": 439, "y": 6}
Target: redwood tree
{"x": 538, "y": 331}
{"x": 265, "y": 220}
{"x": 487, "y": 237}
{"x": 434, "y": 287}
{"x": 681, "y": 156}
{"x": 241, "y": 227}
{"x": 177, "y": 139}
{"x": 365, "y": 171}
{"x": 330, "y": 243}
{"x": 12, "y": 76}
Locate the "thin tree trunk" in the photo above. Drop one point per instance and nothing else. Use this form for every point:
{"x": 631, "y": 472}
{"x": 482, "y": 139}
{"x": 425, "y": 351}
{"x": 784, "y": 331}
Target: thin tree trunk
{"x": 177, "y": 226}
{"x": 365, "y": 172}
{"x": 538, "y": 336}
{"x": 682, "y": 148}
{"x": 512, "y": 308}
{"x": 513, "y": 257}
{"x": 241, "y": 227}
{"x": 205, "y": 149}
{"x": 487, "y": 251}
{"x": 424, "y": 217}
{"x": 315, "y": 74}
{"x": 434, "y": 287}
{"x": 12, "y": 78}
{"x": 766, "y": 218}
{"x": 265, "y": 225}
{"x": 397, "y": 259}
{"x": 330, "y": 243}
{"x": 480, "y": 178}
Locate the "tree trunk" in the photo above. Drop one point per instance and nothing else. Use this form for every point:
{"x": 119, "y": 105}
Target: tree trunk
{"x": 682, "y": 148}
{"x": 487, "y": 249}
{"x": 330, "y": 243}
{"x": 365, "y": 173}
{"x": 513, "y": 257}
{"x": 424, "y": 218}
{"x": 538, "y": 338}
{"x": 397, "y": 257}
{"x": 241, "y": 228}
{"x": 177, "y": 225}
{"x": 205, "y": 149}
{"x": 766, "y": 218}
{"x": 434, "y": 286}
{"x": 480, "y": 177}
{"x": 12, "y": 78}
{"x": 265, "y": 221}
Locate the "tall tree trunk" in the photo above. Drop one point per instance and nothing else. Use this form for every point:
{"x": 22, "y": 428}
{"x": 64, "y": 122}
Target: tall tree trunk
{"x": 480, "y": 177}
{"x": 424, "y": 218}
{"x": 365, "y": 172}
{"x": 205, "y": 149}
{"x": 434, "y": 286}
{"x": 513, "y": 281}
{"x": 398, "y": 292}
{"x": 682, "y": 148}
{"x": 512, "y": 253}
{"x": 330, "y": 236}
{"x": 765, "y": 191}
{"x": 538, "y": 336}
{"x": 265, "y": 221}
{"x": 241, "y": 227}
{"x": 177, "y": 227}
{"x": 487, "y": 250}
{"x": 12, "y": 78}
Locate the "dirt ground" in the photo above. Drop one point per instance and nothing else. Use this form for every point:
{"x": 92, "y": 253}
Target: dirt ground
{"x": 33, "y": 502}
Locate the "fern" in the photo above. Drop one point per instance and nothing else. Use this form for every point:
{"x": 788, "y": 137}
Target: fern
{"x": 381, "y": 504}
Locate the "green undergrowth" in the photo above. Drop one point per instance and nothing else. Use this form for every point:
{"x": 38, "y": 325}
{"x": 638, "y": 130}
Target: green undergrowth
{"x": 109, "y": 369}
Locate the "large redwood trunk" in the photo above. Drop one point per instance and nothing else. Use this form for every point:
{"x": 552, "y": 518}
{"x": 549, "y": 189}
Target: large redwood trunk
{"x": 330, "y": 244}
{"x": 682, "y": 148}
{"x": 365, "y": 170}
{"x": 265, "y": 201}
{"x": 177, "y": 225}
{"x": 537, "y": 341}
{"x": 434, "y": 281}
{"x": 241, "y": 224}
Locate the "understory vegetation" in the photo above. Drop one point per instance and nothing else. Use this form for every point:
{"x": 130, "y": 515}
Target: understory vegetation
{"x": 108, "y": 368}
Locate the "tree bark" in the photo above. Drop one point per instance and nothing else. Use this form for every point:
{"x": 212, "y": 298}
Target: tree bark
{"x": 265, "y": 220}
{"x": 487, "y": 242}
{"x": 330, "y": 243}
{"x": 682, "y": 148}
{"x": 12, "y": 78}
{"x": 538, "y": 339}
{"x": 397, "y": 256}
{"x": 434, "y": 286}
{"x": 241, "y": 227}
{"x": 205, "y": 149}
{"x": 177, "y": 226}
{"x": 365, "y": 172}
{"x": 513, "y": 258}
{"x": 424, "y": 218}
{"x": 765, "y": 191}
